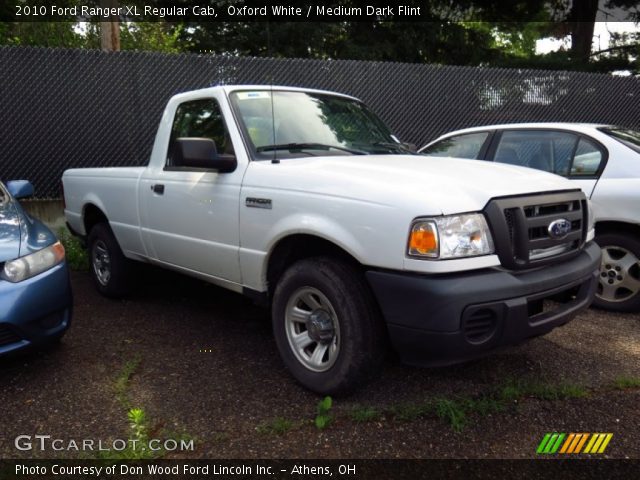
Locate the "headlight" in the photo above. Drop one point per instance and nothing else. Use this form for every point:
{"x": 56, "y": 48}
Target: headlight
{"x": 30, "y": 265}
{"x": 453, "y": 236}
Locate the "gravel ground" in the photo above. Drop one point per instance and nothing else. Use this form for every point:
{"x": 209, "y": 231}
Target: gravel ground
{"x": 208, "y": 368}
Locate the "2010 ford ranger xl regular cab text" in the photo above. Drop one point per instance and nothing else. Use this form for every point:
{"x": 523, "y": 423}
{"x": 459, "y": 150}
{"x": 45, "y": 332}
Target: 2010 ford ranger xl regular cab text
{"x": 304, "y": 199}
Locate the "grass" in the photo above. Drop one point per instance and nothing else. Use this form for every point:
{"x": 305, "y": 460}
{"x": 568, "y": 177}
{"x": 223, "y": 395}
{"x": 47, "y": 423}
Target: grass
{"x": 624, "y": 383}
{"x": 123, "y": 380}
{"x": 137, "y": 447}
{"x": 514, "y": 390}
{"x": 453, "y": 412}
{"x": 407, "y": 412}
{"x": 360, "y": 414}
{"x": 484, "y": 405}
{"x": 77, "y": 257}
{"x": 276, "y": 426}
{"x": 456, "y": 411}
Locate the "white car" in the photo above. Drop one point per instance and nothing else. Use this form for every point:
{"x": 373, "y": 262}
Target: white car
{"x": 603, "y": 160}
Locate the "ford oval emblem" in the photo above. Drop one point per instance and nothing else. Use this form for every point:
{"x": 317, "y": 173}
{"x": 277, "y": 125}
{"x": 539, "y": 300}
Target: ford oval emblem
{"x": 559, "y": 229}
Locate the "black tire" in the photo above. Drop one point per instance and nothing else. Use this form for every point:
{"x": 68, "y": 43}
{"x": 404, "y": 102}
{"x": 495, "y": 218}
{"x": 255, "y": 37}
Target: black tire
{"x": 359, "y": 334}
{"x": 619, "y": 288}
{"x": 117, "y": 282}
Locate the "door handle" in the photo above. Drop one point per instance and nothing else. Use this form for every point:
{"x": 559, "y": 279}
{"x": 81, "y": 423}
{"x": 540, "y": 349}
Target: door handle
{"x": 158, "y": 188}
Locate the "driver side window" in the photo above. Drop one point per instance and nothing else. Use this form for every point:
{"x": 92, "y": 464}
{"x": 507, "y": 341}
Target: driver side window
{"x": 199, "y": 119}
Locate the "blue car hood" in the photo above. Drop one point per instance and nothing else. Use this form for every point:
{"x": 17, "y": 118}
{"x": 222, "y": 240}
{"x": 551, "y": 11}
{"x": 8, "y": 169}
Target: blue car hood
{"x": 9, "y": 232}
{"x": 21, "y": 234}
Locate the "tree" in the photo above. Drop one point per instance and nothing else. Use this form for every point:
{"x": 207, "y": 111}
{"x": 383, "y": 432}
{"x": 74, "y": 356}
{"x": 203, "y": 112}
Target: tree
{"x": 110, "y": 28}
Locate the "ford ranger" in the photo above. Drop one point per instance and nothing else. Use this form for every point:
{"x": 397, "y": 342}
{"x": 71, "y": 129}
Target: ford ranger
{"x": 305, "y": 201}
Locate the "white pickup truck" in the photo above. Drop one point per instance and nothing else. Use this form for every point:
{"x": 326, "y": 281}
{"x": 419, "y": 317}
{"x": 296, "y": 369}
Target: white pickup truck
{"x": 304, "y": 200}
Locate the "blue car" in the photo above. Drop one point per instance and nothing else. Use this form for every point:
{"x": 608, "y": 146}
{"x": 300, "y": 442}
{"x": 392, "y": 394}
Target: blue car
{"x": 35, "y": 292}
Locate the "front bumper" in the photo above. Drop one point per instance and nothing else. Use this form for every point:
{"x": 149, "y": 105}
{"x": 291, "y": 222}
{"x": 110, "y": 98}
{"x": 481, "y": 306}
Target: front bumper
{"x": 444, "y": 319}
{"x": 35, "y": 311}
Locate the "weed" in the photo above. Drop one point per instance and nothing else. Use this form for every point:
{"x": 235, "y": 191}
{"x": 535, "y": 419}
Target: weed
{"x": 362, "y": 414}
{"x": 324, "y": 417}
{"x": 410, "y": 411}
{"x": 451, "y": 411}
{"x": 515, "y": 390}
{"x": 557, "y": 392}
{"x": 122, "y": 382}
{"x": 77, "y": 257}
{"x": 277, "y": 426}
{"x": 484, "y": 405}
{"x": 623, "y": 382}
{"x": 137, "y": 447}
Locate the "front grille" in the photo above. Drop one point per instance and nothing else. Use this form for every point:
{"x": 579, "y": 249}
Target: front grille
{"x": 523, "y": 227}
{"x": 7, "y": 336}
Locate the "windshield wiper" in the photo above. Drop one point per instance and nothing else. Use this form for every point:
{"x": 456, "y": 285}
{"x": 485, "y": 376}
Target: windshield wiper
{"x": 308, "y": 146}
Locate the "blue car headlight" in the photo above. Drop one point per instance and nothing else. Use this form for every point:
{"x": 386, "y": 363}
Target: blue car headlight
{"x": 31, "y": 265}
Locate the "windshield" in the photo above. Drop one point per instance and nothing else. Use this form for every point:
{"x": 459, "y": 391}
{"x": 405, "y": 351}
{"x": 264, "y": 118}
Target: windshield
{"x": 288, "y": 124}
{"x": 630, "y": 138}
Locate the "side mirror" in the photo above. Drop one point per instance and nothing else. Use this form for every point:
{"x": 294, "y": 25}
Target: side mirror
{"x": 20, "y": 188}
{"x": 202, "y": 153}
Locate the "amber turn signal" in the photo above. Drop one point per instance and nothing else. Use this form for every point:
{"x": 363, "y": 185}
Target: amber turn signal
{"x": 423, "y": 240}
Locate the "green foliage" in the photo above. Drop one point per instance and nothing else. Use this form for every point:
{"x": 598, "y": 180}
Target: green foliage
{"x": 514, "y": 390}
{"x": 277, "y": 426}
{"x": 323, "y": 413}
{"x": 484, "y": 405}
{"x": 141, "y": 36}
{"x": 123, "y": 380}
{"x": 40, "y": 34}
{"x": 76, "y": 255}
{"x": 453, "y": 412}
{"x": 362, "y": 414}
{"x": 624, "y": 382}
{"x": 462, "y": 32}
{"x": 407, "y": 412}
{"x": 137, "y": 447}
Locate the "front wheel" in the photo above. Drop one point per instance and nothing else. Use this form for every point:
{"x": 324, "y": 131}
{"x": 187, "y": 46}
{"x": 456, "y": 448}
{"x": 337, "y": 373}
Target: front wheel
{"x": 327, "y": 326}
{"x": 110, "y": 269}
{"x": 619, "y": 287}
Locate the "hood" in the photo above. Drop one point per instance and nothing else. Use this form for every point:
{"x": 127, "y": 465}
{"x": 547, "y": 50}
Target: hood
{"x": 9, "y": 232}
{"x": 426, "y": 185}
{"x": 20, "y": 234}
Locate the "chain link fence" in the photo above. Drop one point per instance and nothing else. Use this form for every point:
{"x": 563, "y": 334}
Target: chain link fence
{"x": 86, "y": 108}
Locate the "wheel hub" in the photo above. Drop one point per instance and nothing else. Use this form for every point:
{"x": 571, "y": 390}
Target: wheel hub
{"x": 619, "y": 274}
{"x": 102, "y": 263}
{"x": 320, "y": 326}
{"x": 612, "y": 274}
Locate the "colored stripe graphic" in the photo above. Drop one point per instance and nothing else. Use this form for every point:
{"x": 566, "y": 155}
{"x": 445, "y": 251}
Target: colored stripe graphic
{"x": 573, "y": 443}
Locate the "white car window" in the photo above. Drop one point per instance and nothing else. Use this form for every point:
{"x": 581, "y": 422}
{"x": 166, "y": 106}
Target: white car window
{"x": 461, "y": 146}
{"x": 586, "y": 161}
{"x": 546, "y": 150}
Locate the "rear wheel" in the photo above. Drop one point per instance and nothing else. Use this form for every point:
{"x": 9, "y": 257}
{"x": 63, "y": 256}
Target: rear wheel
{"x": 326, "y": 325}
{"x": 110, "y": 269}
{"x": 619, "y": 287}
